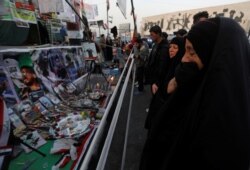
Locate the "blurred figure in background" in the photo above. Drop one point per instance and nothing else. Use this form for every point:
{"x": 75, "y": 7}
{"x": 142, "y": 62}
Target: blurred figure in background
{"x": 180, "y": 33}
{"x": 109, "y": 51}
{"x": 140, "y": 57}
{"x": 103, "y": 45}
{"x": 200, "y": 16}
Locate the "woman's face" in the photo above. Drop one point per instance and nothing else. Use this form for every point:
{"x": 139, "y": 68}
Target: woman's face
{"x": 173, "y": 49}
{"x": 191, "y": 56}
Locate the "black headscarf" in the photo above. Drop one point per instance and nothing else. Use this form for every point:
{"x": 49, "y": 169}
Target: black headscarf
{"x": 180, "y": 41}
{"x": 203, "y": 37}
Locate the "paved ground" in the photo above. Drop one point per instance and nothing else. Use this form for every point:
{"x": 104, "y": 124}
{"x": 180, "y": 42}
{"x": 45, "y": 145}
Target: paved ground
{"x": 136, "y": 136}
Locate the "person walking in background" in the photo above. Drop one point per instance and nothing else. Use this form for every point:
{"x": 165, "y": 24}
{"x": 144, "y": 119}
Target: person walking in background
{"x": 143, "y": 53}
{"x": 103, "y": 45}
{"x": 64, "y": 34}
{"x": 165, "y": 35}
{"x": 205, "y": 124}
{"x": 109, "y": 51}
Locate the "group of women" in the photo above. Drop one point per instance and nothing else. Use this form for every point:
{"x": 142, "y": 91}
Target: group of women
{"x": 204, "y": 121}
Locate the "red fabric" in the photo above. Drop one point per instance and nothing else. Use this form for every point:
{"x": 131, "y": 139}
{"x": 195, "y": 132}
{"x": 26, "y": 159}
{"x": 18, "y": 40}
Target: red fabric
{"x": 64, "y": 161}
{"x": 80, "y": 149}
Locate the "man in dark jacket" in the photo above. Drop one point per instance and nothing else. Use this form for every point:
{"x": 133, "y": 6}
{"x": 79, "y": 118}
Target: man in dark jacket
{"x": 157, "y": 64}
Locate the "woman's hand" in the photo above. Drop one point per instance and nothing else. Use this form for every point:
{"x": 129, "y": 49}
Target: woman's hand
{"x": 154, "y": 88}
{"x": 172, "y": 85}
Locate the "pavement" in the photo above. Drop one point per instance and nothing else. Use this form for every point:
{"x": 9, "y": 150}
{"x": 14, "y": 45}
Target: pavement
{"x": 136, "y": 133}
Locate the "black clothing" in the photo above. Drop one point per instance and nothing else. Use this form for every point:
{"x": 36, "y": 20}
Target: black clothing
{"x": 206, "y": 32}
{"x": 157, "y": 64}
{"x": 140, "y": 76}
{"x": 155, "y": 71}
{"x": 207, "y": 125}
{"x": 109, "y": 52}
{"x": 161, "y": 95}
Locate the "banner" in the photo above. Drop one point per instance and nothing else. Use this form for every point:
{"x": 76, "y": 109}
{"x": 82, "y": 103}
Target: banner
{"x": 23, "y": 15}
{"x": 88, "y": 11}
{"x": 95, "y": 8}
{"x": 67, "y": 14}
{"x": 5, "y": 13}
{"x": 174, "y": 21}
{"x": 25, "y": 6}
{"x": 124, "y": 28}
{"x": 122, "y": 4}
{"x": 46, "y": 6}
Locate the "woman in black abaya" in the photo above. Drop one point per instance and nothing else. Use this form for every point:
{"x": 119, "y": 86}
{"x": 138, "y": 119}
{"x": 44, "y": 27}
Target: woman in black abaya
{"x": 176, "y": 52}
{"x": 206, "y": 122}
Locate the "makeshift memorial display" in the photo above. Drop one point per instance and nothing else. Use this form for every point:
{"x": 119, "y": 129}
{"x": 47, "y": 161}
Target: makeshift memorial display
{"x": 56, "y": 96}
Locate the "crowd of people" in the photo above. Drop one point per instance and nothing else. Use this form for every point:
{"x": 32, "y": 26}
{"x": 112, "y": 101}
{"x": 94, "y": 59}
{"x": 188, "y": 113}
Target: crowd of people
{"x": 199, "y": 114}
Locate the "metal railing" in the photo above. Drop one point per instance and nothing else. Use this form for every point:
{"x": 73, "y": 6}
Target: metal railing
{"x": 100, "y": 138}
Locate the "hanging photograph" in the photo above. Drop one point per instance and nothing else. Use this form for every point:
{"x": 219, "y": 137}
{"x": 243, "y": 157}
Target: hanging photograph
{"x": 7, "y": 90}
{"x": 89, "y": 50}
{"x": 71, "y": 64}
{"x": 50, "y": 67}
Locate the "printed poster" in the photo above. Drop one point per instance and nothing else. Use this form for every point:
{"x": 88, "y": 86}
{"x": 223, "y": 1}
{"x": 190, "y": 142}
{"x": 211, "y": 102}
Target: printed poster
{"x": 5, "y": 12}
{"x": 7, "y": 88}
